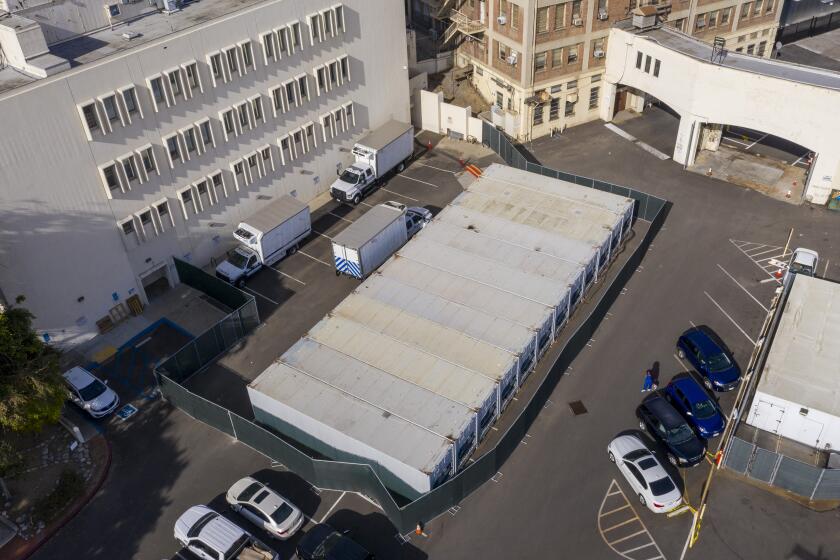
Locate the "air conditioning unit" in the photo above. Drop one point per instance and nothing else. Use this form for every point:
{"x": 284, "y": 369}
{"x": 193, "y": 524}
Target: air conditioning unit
{"x": 598, "y": 53}
{"x": 512, "y": 59}
{"x": 502, "y": 19}
{"x": 577, "y": 22}
{"x": 603, "y": 15}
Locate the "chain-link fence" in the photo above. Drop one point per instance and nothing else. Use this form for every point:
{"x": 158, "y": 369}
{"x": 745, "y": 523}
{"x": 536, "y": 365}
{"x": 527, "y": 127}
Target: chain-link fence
{"x": 363, "y": 478}
{"x": 808, "y": 481}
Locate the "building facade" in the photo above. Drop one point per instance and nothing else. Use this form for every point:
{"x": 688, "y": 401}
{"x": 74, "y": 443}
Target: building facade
{"x": 155, "y": 137}
{"x": 541, "y": 62}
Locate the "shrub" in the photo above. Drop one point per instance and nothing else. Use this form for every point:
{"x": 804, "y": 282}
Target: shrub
{"x": 11, "y": 460}
{"x": 69, "y": 487}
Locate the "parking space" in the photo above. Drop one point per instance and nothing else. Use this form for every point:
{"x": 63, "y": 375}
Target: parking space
{"x": 765, "y": 145}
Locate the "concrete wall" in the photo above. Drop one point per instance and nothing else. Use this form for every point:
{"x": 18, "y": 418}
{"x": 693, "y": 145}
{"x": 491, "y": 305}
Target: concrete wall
{"x": 444, "y": 118}
{"x": 816, "y": 428}
{"x": 60, "y": 239}
{"x": 702, "y": 92}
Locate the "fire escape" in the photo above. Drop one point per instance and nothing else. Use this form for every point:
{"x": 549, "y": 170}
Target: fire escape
{"x": 460, "y": 22}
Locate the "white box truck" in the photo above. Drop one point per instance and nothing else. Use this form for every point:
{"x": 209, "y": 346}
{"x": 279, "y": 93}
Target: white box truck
{"x": 266, "y": 237}
{"x": 384, "y": 150}
{"x": 369, "y": 241}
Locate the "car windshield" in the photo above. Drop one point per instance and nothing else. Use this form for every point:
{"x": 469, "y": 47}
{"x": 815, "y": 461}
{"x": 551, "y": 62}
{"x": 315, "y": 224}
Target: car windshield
{"x": 704, "y": 409}
{"x": 327, "y": 545}
{"x": 93, "y": 390}
{"x": 680, "y": 434}
{"x": 249, "y": 492}
{"x": 282, "y": 513}
{"x": 349, "y": 177}
{"x": 237, "y": 259}
{"x": 719, "y": 362}
{"x": 662, "y": 486}
{"x": 800, "y": 268}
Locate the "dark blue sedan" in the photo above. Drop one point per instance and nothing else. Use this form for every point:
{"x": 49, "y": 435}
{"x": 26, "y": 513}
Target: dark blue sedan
{"x": 709, "y": 359}
{"x": 695, "y": 404}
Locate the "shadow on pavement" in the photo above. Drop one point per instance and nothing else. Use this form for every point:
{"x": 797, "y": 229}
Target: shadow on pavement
{"x": 376, "y": 533}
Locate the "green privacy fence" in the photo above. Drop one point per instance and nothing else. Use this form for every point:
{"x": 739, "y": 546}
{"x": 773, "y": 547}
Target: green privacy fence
{"x": 363, "y": 478}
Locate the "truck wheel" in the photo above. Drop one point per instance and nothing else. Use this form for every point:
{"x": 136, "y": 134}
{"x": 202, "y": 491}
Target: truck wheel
{"x": 357, "y": 199}
{"x": 239, "y": 283}
{"x": 337, "y": 273}
{"x": 401, "y": 167}
{"x": 293, "y": 249}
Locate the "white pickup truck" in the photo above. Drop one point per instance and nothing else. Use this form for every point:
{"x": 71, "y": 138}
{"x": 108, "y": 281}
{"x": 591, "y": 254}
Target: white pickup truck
{"x": 804, "y": 261}
{"x": 209, "y": 536}
{"x": 384, "y": 150}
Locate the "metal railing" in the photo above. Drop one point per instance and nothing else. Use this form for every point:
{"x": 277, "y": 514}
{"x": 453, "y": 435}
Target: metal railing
{"x": 363, "y": 477}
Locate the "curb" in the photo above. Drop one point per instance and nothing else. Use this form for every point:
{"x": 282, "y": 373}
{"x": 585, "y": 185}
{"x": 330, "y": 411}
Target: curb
{"x": 25, "y": 549}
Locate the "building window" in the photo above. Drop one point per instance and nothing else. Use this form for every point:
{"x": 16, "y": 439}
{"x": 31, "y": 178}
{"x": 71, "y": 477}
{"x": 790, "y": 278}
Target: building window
{"x": 327, "y": 126}
{"x": 206, "y": 134}
{"x": 593, "y": 97}
{"x": 321, "y": 79}
{"x": 338, "y": 12}
{"x": 229, "y": 125}
{"x": 247, "y": 55}
{"x": 192, "y": 76}
{"x": 268, "y": 47}
{"x": 158, "y": 95}
{"x": 173, "y": 149}
{"x": 724, "y": 15}
{"x": 162, "y": 210}
{"x": 295, "y": 33}
{"x": 769, "y": 6}
{"x": 146, "y": 222}
{"x": 570, "y": 109}
{"x": 267, "y": 160}
{"x": 639, "y": 60}
{"x": 315, "y": 34}
{"x": 232, "y": 60}
{"x": 758, "y": 5}
{"x": 110, "y": 104}
{"x": 647, "y": 64}
{"x": 559, "y": 17}
{"x": 338, "y": 119}
{"x": 745, "y": 10}
{"x": 309, "y": 131}
{"x": 216, "y": 68}
{"x": 345, "y": 68}
{"x": 130, "y": 100}
{"x": 283, "y": 41}
{"x": 761, "y": 47}
{"x": 239, "y": 174}
{"x": 202, "y": 194}
{"x": 750, "y": 49}
{"x": 713, "y": 17}
{"x": 542, "y": 20}
{"x": 603, "y": 14}
{"x": 148, "y": 158}
{"x": 571, "y": 85}
{"x": 539, "y": 62}
{"x": 328, "y": 23}
{"x": 218, "y": 182}
{"x": 187, "y": 202}
{"x": 127, "y": 227}
{"x": 109, "y": 173}
{"x": 290, "y": 93}
{"x": 175, "y": 83}
{"x": 253, "y": 167}
{"x": 656, "y": 65}
{"x": 277, "y": 100}
{"x": 572, "y": 54}
{"x": 130, "y": 169}
{"x": 556, "y": 58}
{"x": 514, "y": 16}
{"x": 257, "y": 108}
{"x": 89, "y": 113}
{"x": 595, "y": 79}
{"x": 598, "y": 48}
{"x": 700, "y": 22}
{"x": 303, "y": 86}
{"x": 189, "y": 141}
{"x": 333, "y": 69}
{"x": 286, "y": 153}
{"x": 538, "y": 115}
{"x": 244, "y": 121}
{"x": 554, "y": 109}
{"x": 349, "y": 115}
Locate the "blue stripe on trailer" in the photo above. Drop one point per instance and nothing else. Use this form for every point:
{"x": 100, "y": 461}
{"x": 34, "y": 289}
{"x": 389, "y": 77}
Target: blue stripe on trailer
{"x": 347, "y": 267}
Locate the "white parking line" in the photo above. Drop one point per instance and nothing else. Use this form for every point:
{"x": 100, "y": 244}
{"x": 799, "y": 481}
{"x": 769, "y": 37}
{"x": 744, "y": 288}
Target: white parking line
{"x": 801, "y": 158}
{"x": 728, "y": 316}
{"x": 419, "y": 181}
{"x": 339, "y": 217}
{"x": 329, "y": 511}
{"x": 682, "y": 363}
{"x": 398, "y": 194}
{"x": 442, "y": 169}
{"x": 729, "y": 138}
{"x": 289, "y": 276}
{"x": 325, "y": 263}
{"x": 783, "y": 255}
{"x": 757, "y": 141}
{"x": 256, "y": 293}
{"x": 316, "y": 232}
{"x": 640, "y": 541}
{"x": 760, "y": 250}
{"x": 743, "y": 288}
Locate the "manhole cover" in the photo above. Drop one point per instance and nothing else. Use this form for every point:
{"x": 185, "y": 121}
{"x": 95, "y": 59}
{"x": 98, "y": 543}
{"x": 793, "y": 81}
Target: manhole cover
{"x": 577, "y": 408}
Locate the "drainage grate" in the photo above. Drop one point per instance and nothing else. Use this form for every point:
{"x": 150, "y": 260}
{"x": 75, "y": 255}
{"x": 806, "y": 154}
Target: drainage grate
{"x": 577, "y": 408}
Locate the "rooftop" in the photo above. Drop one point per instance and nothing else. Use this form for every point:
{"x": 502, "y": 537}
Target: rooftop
{"x": 803, "y": 365}
{"x": 148, "y": 27}
{"x": 697, "y": 49}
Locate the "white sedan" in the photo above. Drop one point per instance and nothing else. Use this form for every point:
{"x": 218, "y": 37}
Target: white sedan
{"x": 265, "y": 508}
{"x": 645, "y": 474}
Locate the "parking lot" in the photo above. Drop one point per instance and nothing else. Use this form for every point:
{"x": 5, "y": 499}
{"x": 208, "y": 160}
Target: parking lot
{"x": 557, "y": 495}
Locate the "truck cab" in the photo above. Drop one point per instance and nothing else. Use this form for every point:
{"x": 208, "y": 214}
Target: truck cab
{"x": 241, "y": 263}
{"x": 209, "y": 536}
{"x": 354, "y": 183}
{"x": 804, "y": 261}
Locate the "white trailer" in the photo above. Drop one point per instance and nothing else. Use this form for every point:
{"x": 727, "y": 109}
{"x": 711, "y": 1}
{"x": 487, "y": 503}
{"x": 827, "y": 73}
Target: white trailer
{"x": 265, "y": 238}
{"x": 369, "y": 241}
{"x": 386, "y": 149}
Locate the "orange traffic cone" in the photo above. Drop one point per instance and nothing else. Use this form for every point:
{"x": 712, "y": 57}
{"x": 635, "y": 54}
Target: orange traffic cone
{"x": 418, "y": 530}
{"x": 778, "y": 273}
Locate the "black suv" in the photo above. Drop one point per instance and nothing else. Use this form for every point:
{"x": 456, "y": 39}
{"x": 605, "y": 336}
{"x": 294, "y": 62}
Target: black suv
{"x": 660, "y": 419}
{"x": 322, "y": 542}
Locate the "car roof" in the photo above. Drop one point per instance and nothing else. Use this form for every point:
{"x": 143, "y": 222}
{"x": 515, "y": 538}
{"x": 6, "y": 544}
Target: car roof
{"x": 314, "y": 537}
{"x": 663, "y": 410}
{"x": 219, "y": 533}
{"x": 690, "y": 388}
{"x": 78, "y": 377}
{"x": 703, "y": 341}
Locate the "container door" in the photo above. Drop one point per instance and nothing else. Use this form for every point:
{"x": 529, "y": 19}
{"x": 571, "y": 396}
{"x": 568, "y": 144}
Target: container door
{"x": 347, "y": 261}
{"x": 768, "y": 416}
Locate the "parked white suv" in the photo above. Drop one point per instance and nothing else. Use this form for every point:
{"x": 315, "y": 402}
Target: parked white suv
{"x": 265, "y": 508}
{"x": 209, "y": 536}
{"x": 89, "y": 393}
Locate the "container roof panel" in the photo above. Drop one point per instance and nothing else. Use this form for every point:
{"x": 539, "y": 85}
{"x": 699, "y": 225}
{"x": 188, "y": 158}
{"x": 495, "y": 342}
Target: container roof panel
{"x": 276, "y": 213}
{"x": 803, "y": 365}
{"x": 367, "y": 226}
{"x": 391, "y": 434}
{"x": 385, "y": 134}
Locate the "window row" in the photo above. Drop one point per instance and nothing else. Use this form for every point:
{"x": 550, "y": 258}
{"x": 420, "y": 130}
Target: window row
{"x": 754, "y": 9}
{"x": 640, "y": 57}
{"x": 147, "y": 223}
{"x": 129, "y": 170}
{"x": 716, "y": 18}
{"x": 569, "y": 105}
{"x": 100, "y": 115}
{"x": 561, "y": 55}
{"x": 558, "y": 16}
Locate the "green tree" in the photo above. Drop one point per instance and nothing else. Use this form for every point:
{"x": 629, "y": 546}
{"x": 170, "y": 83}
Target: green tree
{"x": 31, "y": 389}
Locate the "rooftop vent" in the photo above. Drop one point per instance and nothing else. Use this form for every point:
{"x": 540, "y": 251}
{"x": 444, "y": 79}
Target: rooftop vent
{"x": 129, "y": 35}
{"x": 644, "y": 17}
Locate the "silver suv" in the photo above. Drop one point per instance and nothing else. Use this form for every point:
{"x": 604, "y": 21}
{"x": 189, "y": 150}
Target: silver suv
{"x": 89, "y": 393}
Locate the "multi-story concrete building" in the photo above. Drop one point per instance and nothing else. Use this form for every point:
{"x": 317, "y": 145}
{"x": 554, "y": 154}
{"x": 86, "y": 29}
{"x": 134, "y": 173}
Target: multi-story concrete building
{"x": 132, "y": 134}
{"x": 541, "y": 62}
